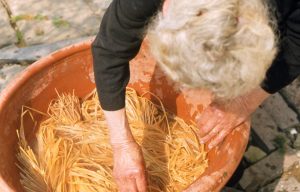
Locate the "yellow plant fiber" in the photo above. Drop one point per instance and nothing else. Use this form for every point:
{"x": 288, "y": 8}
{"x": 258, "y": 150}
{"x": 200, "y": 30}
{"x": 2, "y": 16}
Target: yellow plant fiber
{"x": 72, "y": 151}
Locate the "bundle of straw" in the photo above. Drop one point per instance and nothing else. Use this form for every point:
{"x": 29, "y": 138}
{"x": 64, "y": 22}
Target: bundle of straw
{"x": 73, "y": 152}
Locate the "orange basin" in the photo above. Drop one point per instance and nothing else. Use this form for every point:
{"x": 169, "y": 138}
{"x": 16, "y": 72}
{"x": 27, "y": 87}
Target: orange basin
{"x": 71, "y": 69}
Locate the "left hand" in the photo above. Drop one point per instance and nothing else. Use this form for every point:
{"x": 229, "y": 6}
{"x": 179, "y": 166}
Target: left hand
{"x": 217, "y": 121}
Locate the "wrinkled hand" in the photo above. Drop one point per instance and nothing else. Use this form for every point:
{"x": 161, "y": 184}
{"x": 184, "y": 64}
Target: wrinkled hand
{"x": 218, "y": 120}
{"x": 129, "y": 167}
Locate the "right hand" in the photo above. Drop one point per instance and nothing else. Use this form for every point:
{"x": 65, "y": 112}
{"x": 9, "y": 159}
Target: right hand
{"x": 129, "y": 167}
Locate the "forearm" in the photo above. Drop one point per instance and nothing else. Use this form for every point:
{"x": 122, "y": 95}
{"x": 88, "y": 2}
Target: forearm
{"x": 254, "y": 98}
{"x": 128, "y": 167}
{"x": 118, "y": 126}
{"x": 117, "y": 42}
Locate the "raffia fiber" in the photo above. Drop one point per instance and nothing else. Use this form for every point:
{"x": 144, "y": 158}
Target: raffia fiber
{"x": 73, "y": 153}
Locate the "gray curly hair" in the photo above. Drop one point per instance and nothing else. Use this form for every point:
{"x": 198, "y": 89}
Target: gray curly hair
{"x": 225, "y": 46}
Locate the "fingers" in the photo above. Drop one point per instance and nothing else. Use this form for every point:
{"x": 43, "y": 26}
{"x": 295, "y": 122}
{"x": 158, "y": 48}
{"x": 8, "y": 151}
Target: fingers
{"x": 209, "y": 125}
{"x": 219, "y": 138}
{"x": 127, "y": 185}
{"x": 141, "y": 183}
{"x": 215, "y": 131}
{"x": 207, "y": 122}
{"x": 218, "y": 120}
{"x": 132, "y": 182}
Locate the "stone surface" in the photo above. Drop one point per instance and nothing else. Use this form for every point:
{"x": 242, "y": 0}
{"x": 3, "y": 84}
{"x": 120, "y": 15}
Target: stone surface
{"x": 268, "y": 169}
{"x": 254, "y": 154}
{"x": 297, "y": 142}
{"x": 7, "y": 32}
{"x": 284, "y": 184}
{"x": 55, "y": 20}
{"x": 281, "y": 113}
{"x": 98, "y": 7}
{"x": 265, "y": 128}
{"x": 35, "y": 52}
{"x": 292, "y": 94}
{"x": 7, "y": 73}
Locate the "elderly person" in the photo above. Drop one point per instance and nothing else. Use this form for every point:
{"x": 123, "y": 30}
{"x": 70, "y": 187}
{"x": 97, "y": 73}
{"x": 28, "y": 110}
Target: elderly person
{"x": 240, "y": 50}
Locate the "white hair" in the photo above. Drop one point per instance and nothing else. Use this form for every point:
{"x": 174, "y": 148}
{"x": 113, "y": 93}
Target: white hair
{"x": 225, "y": 46}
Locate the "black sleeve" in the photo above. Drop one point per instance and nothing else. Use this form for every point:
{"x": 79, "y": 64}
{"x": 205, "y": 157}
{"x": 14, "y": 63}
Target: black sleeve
{"x": 117, "y": 42}
{"x": 286, "y": 67}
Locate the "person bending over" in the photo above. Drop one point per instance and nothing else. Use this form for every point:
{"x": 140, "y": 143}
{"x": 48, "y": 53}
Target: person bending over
{"x": 240, "y": 50}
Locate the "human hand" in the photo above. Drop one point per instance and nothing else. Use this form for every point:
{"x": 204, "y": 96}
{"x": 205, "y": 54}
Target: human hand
{"x": 129, "y": 167}
{"x": 218, "y": 120}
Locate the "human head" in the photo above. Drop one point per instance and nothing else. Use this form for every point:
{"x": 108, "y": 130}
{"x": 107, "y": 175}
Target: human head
{"x": 225, "y": 46}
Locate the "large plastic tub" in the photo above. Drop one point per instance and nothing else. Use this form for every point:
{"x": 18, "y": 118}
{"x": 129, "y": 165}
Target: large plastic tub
{"x": 71, "y": 69}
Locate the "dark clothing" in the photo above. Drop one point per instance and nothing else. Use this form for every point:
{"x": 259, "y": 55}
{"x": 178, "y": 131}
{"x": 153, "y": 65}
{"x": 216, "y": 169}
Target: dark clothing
{"x": 121, "y": 34}
{"x": 286, "y": 66}
{"x": 118, "y": 41}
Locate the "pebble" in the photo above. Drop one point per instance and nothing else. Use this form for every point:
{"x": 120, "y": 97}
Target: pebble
{"x": 293, "y": 131}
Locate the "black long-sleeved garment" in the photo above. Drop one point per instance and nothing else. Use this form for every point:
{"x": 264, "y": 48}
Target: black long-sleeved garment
{"x": 121, "y": 34}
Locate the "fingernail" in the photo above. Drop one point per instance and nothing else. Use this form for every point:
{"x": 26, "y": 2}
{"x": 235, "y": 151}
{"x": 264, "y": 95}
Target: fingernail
{"x": 202, "y": 142}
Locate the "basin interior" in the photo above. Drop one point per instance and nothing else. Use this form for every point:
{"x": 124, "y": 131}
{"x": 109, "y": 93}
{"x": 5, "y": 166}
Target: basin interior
{"x": 70, "y": 69}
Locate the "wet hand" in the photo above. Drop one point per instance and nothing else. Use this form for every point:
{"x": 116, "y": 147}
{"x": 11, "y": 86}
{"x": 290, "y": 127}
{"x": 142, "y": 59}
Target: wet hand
{"x": 129, "y": 167}
{"x": 218, "y": 120}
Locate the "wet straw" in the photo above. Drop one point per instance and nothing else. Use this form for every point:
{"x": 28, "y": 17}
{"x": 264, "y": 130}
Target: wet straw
{"x": 73, "y": 154}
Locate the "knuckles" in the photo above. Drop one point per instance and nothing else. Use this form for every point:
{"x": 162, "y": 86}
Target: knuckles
{"x": 128, "y": 174}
